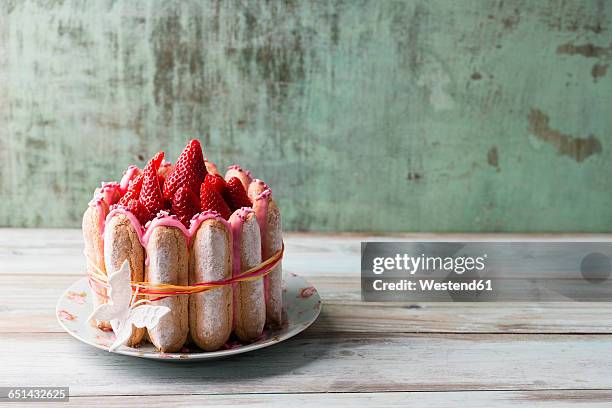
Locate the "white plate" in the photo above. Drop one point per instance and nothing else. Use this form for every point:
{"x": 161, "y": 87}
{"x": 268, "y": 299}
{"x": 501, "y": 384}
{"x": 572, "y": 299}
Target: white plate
{"x": 301, "y": 307}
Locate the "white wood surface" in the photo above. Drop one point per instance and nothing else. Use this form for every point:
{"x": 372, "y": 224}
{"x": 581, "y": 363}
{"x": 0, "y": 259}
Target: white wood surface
{"x": 525, "y": 354}
{"x": 487, "y": 399}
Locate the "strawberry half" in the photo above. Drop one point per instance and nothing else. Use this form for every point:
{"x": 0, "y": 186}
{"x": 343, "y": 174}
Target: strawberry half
{"x": 162, "y": 186}
{"x": 188, "y": 171}
{"x": 235, "y": 195}
{"x": 210, "y": 200}
{"x": 133, "y": 190}
{"x": 139, "y": 211}
{"x": 185, "y": 205}
{"x": 215, "y": 182}
{"x": 151, "y": 194}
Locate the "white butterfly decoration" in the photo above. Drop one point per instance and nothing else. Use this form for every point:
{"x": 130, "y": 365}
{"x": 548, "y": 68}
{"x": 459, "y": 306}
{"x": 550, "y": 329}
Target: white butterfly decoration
{"x": 119, "y": 312}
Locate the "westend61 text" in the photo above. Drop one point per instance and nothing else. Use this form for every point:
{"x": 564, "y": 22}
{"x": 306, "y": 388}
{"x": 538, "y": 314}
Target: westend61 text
{"x": 432, "y": 285}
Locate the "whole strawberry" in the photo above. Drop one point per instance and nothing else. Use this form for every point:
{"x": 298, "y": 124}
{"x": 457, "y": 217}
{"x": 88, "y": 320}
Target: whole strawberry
{"x": 185, "y": 205}
{"x": 215, "y": 182}
{"x": 210, "y": 200}
{"x": 151, "y": 194}
{"x": 235, "y": 195}
{"x": 188, "y": 171}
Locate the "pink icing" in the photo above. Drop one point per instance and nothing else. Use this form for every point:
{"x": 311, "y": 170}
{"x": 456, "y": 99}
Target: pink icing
{"x": 111, "y": 192}
{"x": 261, "y": 213}
{"x": 164, "y": 219}
{"x": 240, "y": 169}
{"x": 131, "y": 173}
{"x": 133, "y": 220}
{"x": 236, "y": 228}
{"x": 260, "y": 182}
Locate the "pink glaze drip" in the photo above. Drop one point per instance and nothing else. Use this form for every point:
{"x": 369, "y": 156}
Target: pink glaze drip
{"x": 111, "y": 192}
{"x": 131, "y": 172}
{"x": 164, "y": 219}
{"x": 236, "y": 228}
{"x": 261, "y": 183}
{"x": 261, "y": 213}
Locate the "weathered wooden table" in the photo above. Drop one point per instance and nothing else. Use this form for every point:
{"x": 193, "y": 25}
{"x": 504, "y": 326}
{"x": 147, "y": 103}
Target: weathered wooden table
{"x": 356, "y": 353}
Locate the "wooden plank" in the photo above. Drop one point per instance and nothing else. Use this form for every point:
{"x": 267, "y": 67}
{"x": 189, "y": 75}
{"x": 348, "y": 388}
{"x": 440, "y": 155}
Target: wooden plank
{"x": 499, "y": 399}
{"x": 28, "y": 305}
{"x": 60, "y": 251}
{"x": 336, "y": 363}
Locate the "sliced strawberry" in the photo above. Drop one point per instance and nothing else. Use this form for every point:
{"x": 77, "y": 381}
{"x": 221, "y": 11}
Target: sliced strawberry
{"x": 188, "y": 171}
{"x": 151, "y": 194}
{"x": 139, "y": 211}
{"x": 210, "y": 200}
{"x": 162, "y": 186}
{"x": 161, "y": 180}
{"x": 133, "y": 190}
{"x": 235, "y": 195}
{"x": 185, "y": 205}
{"x": 215, "y": 182}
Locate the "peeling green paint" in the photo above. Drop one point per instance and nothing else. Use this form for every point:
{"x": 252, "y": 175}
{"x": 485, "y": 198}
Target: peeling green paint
{"x": 373, "y": 115}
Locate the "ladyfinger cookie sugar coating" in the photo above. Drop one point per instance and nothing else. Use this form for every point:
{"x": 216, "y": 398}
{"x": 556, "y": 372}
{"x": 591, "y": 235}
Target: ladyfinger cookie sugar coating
{"x": 269, "y": 220}
{"x": 168, "y": 263}
{"x": 93, "y": 228}
{"x": 184, "y": 224}
{"x": 249, "y": 301}
{"x": 121, "y": 242}
{"x": 210, "y": 313}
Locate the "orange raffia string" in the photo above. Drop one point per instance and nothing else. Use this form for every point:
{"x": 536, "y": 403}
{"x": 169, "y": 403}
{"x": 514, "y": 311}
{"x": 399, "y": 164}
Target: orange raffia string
{"x": 98, "y": 278}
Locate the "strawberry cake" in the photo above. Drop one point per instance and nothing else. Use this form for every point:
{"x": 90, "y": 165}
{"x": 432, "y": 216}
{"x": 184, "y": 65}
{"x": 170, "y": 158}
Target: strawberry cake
{"x": 182, "y": 224}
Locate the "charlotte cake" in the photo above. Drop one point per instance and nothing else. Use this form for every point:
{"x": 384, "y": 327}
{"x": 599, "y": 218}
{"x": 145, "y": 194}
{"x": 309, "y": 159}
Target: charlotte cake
{"x": 183, "y": 224}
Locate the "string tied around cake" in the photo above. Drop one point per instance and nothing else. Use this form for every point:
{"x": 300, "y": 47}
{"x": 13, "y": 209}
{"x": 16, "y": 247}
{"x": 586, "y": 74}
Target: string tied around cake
{"x": 98, "y": 279}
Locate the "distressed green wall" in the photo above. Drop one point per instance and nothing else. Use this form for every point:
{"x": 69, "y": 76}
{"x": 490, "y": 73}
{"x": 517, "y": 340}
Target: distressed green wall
{"x": 362, "y": 115}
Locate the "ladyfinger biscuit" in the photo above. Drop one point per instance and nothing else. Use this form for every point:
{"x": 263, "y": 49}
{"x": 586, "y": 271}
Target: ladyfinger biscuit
{"x": 271, "y": 243}
{"x": 210, "y": 312}
{"x": 93, "y": 226}
{"x": 120, "y": 243}
{"x": 249, "y": 303}
{"x": 168, "y": 263}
